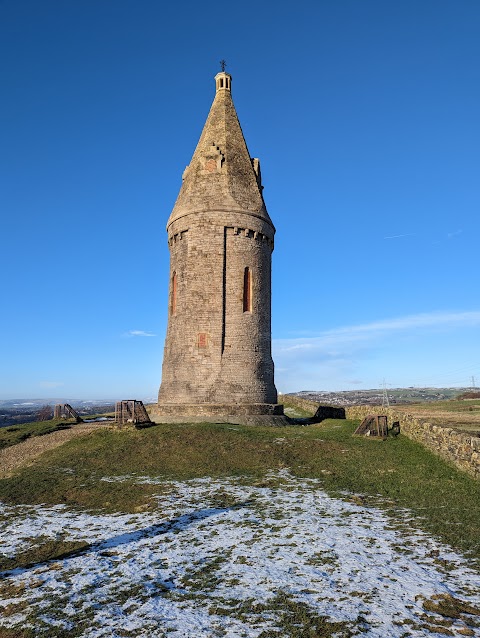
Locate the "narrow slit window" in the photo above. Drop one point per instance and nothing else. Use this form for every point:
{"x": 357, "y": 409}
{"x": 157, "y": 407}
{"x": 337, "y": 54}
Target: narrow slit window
{"x": 174, "y": 293}
{"x": 247, "y": 290}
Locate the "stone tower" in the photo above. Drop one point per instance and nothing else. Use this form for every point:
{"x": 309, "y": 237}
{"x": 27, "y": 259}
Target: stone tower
{"x": 217, "y": 358}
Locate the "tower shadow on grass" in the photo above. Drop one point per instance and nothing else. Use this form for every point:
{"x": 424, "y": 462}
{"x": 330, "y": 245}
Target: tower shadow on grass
{"x": 179, "y": 523}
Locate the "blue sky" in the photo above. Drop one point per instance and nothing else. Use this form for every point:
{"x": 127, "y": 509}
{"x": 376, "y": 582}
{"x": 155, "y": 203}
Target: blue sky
{"x": 365, "y": 116}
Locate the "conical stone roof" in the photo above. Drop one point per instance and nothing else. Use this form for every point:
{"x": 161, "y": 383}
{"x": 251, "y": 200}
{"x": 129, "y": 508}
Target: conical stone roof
{"x": 221, "y": 176}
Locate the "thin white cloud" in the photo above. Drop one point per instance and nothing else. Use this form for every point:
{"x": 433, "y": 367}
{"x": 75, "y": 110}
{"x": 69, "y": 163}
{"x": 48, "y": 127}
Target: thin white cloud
{"x": 470, "y": 318}
{"x": 139, "y": 333}
{"x": 359, "y": 333}
{"x": 343, "y": 354}
{"x": 398, "y": 236}
{"x": 454, "y": 234}
{"x": 51, "y": 384}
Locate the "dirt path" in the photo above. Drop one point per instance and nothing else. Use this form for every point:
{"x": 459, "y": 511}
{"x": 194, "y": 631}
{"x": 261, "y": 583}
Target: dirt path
{"x": 25, "y": 452}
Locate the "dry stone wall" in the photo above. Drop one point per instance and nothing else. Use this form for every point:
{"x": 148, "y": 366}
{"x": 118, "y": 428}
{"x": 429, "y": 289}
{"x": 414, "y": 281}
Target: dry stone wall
{"x": 329, "y": 412}
{"x": 460, "y": 448}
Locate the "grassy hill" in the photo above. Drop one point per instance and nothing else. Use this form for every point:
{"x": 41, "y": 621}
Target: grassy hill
{"x": 111, "y": 481}
{"x": 397, "y": 471}
{"x": 13, "y": 434}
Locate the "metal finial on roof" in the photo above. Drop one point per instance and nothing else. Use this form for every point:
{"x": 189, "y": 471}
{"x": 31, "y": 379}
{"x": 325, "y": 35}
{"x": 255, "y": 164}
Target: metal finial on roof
{"x": 223, "y": 64}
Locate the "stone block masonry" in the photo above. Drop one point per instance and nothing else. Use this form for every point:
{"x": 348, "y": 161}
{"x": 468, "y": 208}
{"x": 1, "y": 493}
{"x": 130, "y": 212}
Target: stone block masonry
{"x": 217, "y": 351}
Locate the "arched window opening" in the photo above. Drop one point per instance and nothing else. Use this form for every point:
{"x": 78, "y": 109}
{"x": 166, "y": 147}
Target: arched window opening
{"x": 247, "y": 290}
{"x": 173, "y": 304}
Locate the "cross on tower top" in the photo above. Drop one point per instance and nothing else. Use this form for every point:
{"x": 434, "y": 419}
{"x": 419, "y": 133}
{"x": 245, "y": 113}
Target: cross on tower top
{"x": 223, "y": 64}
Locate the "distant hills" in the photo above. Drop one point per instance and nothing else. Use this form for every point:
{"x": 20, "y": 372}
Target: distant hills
{"x": 29, "y": 404}
{"x": 16, "y": 411}
{"x": 376, "y": 396}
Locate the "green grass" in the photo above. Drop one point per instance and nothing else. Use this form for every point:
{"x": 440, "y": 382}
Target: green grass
{"x": 396, "y": 473}
{"x": 466, "y": 405}
{"x": 13, "y": 434}
{"x": 297, "y": 412}
{"x": 44, "y": 549}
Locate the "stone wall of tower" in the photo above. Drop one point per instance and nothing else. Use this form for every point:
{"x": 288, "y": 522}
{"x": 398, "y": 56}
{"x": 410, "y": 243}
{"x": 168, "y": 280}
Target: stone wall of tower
{"x": 247, "y": 366}
{"x": 215, "y": 352}
{"x": 192, "y": 352}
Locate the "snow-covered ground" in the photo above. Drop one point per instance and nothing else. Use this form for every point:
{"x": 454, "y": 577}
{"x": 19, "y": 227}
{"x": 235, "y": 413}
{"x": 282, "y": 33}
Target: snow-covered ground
{"x": 217, "y": 554}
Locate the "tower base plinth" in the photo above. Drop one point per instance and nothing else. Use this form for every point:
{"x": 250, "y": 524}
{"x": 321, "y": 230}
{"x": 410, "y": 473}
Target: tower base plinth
{"x": 242, "y": 414}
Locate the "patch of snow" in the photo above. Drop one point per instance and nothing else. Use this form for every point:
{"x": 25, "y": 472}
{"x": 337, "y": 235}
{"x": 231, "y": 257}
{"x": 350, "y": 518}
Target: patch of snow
{"x": 218, "y": 543}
